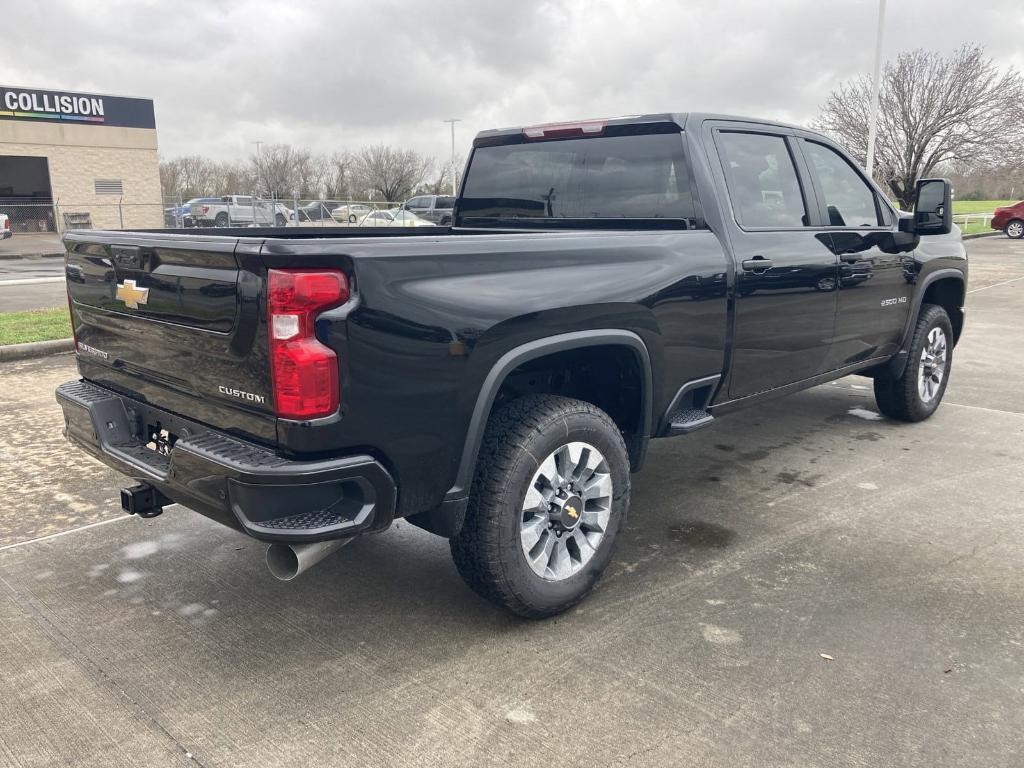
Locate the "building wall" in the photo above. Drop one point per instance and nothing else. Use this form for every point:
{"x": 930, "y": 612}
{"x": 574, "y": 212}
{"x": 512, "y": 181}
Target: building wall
{"x": 80, "y": 154}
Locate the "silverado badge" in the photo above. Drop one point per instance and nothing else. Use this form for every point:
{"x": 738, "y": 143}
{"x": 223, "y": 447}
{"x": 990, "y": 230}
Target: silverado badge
{"x": 131, "y": 294}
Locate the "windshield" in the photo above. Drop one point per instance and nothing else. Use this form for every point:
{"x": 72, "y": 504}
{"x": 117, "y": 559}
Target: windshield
{"x": 608, "y": 177}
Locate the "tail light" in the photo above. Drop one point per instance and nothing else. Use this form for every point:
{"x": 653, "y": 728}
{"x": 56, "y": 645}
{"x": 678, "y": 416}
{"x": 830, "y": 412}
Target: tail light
{"x": 7, "y": 223}
{"x": 304, "y": 371}
{"x": 206, "y": 209}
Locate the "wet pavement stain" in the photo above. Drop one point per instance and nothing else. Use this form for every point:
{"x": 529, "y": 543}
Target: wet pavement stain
{"x": 796, "y": 478}
{"x": 701, "y": 534}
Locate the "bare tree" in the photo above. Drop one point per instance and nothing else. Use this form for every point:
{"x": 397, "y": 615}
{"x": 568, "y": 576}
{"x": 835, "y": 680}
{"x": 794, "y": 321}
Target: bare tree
{"x": 389, "y": 172}
{"x": 987, "y": 182}
{"x": 932, "y": 110}
{"x": 276, "y": 169}
{"x": 336, "y": 174}
{"x": 190, "y": 176}
{"x": 439, "y": 178}
{"x": 234, "y": 178}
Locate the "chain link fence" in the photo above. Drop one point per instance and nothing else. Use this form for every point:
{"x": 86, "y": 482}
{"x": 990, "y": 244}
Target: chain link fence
{"x": 303, "y": 212}
{"x": 228, "y": 211}
{"x": 29, "y": 215}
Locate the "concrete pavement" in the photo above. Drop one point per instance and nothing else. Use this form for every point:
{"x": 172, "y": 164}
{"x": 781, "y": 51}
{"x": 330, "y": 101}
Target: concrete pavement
{"x": 34, "y": 244}
{"x": 808, "y": 527}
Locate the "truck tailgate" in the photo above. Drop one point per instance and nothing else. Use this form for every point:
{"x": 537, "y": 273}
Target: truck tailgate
{"x": 175, "y": 321}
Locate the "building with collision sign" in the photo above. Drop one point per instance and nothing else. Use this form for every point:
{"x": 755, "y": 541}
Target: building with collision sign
{"x": 75, "y": 160}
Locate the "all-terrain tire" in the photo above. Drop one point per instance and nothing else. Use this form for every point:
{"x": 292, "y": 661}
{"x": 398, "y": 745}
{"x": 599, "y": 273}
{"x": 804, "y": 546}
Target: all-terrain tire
{"x": 488, "y": 552}
{"x": 901, "y": 398}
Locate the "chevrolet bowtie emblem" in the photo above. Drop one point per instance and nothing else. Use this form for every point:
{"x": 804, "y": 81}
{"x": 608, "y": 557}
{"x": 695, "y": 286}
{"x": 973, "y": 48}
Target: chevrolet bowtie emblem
{"x": 131, "y": 294}
{"x": 572, "y": 512}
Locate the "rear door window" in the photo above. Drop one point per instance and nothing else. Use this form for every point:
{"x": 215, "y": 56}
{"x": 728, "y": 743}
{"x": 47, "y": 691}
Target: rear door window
{"x": 762, "y": 181}
{"x": 608, "y": 177}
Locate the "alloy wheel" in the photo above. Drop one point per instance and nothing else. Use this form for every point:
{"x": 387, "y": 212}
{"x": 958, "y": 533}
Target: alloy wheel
{"x": 566, "y": 511}
{"x": 932, "y": 366}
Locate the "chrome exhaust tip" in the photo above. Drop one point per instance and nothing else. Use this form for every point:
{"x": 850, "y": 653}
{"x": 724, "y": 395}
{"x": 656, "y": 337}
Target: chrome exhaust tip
{"x": 287, "y": 561}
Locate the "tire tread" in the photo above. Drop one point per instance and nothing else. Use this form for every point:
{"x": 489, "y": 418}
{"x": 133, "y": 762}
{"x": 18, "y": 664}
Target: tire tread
{"x": 897, "y": 398}
{"x": 477, "y": 549}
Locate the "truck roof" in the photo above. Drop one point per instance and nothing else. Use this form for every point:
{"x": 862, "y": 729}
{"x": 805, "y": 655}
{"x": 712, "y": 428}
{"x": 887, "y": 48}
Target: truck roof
{"x": 679, "y": 119}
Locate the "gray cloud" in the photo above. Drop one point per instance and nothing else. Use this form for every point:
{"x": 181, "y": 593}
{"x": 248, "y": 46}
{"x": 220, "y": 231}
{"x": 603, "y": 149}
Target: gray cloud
{"x": 335, "y": 75}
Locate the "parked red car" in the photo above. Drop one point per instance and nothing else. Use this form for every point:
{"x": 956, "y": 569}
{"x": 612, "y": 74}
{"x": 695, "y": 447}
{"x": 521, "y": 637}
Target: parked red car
{"x": 1010, "y": 219}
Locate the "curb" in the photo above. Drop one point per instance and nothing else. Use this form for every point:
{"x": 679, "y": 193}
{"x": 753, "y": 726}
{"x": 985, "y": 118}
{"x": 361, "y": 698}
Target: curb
{"x": 33, "y": 349}
{"x": 976, "y": 235}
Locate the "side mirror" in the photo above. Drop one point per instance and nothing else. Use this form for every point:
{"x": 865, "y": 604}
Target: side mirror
{"x": 933, "y": 207}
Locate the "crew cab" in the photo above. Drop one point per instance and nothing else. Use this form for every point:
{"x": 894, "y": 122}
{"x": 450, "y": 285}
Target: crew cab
{"x": 496, "y": 382}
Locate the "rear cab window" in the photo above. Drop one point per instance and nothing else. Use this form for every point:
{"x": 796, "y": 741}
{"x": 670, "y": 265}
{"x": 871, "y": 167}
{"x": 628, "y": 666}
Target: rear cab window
{"x": 615, "y": 180}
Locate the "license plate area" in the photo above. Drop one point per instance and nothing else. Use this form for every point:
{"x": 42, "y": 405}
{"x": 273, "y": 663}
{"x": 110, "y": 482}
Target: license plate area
{"x": 159, "y": 439}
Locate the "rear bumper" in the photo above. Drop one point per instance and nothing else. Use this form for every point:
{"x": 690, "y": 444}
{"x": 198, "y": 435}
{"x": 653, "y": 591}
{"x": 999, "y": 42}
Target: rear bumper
{"x": 237, "y": 483}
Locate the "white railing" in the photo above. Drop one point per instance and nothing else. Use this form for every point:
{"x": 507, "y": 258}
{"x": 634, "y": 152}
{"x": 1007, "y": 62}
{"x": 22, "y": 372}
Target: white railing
{"x": 963, "y": 219}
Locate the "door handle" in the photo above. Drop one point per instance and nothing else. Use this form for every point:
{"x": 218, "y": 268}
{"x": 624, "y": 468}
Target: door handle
{"x": 757, "y": 265}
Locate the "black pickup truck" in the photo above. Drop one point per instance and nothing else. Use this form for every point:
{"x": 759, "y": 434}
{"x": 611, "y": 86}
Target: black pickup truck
{"x": 496, "y": 382}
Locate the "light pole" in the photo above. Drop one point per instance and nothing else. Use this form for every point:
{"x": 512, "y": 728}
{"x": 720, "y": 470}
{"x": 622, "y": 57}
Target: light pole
{"x": 875, "y": 87}
{"x": 452, "y": 122}
{"x": 259, "y": 161}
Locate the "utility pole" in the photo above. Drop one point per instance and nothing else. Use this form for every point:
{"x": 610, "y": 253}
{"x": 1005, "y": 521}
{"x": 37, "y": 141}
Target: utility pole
{"x": 452, "y": 122}
{"x": 875, "y": 87}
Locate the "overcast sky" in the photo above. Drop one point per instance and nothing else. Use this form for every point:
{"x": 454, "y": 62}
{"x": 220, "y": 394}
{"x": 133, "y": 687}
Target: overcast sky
{"x": 339, "y": 75}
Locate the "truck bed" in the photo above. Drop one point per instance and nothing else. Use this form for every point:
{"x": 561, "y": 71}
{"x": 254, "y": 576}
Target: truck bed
{"x": 432, "y": 310}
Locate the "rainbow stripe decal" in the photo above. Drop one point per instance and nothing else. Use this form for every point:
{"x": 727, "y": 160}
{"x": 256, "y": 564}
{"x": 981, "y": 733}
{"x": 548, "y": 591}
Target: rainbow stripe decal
{"x": 50, "y": 116}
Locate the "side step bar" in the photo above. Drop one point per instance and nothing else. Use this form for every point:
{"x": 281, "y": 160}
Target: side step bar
{"x": 688, "y": 410}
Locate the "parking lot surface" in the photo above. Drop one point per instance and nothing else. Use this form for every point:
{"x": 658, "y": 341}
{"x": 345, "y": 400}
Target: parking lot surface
{"x": 31, "y": 284}
{"x": 805, "y": 584}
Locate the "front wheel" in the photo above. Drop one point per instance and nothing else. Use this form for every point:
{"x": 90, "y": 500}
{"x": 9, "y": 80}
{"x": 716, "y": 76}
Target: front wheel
{"x": 1015, "y": 229}
{"x": 548, "y": 503}
{"x": 916, "y": 394}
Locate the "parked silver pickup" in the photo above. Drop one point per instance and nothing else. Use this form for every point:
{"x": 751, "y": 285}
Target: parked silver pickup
{"x": 237, "y": 211}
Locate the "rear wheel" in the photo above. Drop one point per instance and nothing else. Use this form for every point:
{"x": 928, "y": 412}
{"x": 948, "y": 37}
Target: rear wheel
{"x": 1015, "y": 229}
{"x": 280, "y": 220}
{"x": 221, "y": 220}
{"x": 916, "y": 394}
{"x": 548, "y": 503}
